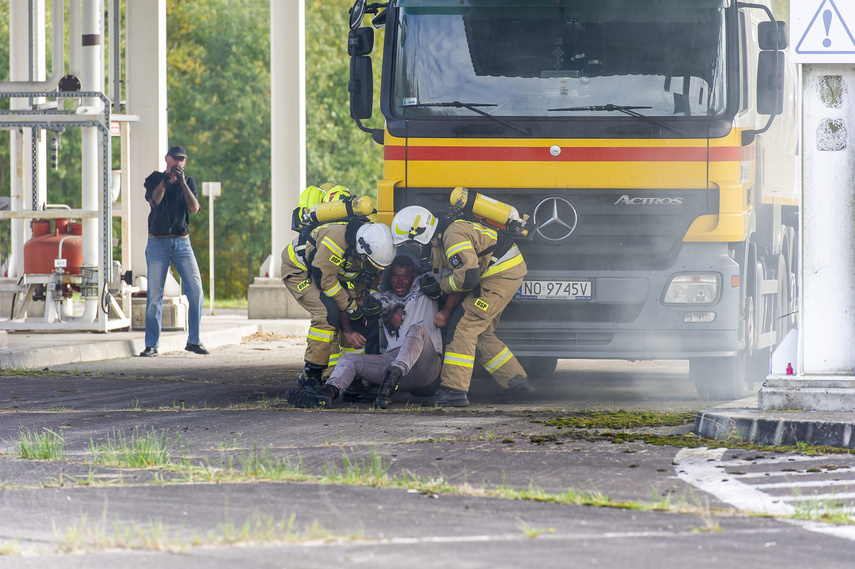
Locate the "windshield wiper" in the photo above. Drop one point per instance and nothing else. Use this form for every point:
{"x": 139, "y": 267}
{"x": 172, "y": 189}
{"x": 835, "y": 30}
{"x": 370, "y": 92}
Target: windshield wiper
{"x": 625, "y": 109}
{"x": 474, "y": 108}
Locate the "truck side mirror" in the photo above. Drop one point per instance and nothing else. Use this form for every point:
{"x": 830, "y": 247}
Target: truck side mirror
{"x": 770, "y": 83}
{"x": 772, "y": 38}
{"x": 772, "y": 35}
{"x": 357, "y": 12}
{"x": 361, "y": 87}
{"x": 360, "y": 41}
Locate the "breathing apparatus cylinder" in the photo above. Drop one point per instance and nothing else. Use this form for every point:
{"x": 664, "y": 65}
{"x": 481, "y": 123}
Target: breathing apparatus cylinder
{"x": 336, "y": 210}
{"x": 486, "y": 207}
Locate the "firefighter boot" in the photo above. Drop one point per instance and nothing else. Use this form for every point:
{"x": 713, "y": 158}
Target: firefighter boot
{"x": 447, "y": 397}
{"x": 358, "y": 392}
{"x": 388, "y": 387}
{"x": 311, "y": 378}
{"x": 306, "y": 399}
{"x": 519, "y": 389}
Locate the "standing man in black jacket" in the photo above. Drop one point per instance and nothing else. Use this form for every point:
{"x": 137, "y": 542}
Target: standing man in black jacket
{"x": 172, "y": 197}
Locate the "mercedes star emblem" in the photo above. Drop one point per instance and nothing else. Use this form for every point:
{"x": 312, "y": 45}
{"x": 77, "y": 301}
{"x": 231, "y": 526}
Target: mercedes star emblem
{"x": 555, "y": 219}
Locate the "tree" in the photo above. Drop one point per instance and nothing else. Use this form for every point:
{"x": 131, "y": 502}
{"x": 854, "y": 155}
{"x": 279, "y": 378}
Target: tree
{"x": 336, "y": 150}
{"x": 218, "y": 78}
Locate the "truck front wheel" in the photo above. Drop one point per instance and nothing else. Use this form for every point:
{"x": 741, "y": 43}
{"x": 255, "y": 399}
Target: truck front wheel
{"x": 538, "y": 367}
{"x": 719, "y": 379}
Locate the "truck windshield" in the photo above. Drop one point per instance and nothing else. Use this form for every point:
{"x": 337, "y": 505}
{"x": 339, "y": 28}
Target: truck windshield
{"x": 534, "y": 58}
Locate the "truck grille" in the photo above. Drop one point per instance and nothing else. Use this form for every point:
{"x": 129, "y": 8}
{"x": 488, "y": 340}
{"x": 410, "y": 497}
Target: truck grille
{"x": 616, "y": 229}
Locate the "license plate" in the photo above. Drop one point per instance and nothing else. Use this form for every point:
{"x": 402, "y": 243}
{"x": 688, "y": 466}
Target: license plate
{"x": 555, "y": 290}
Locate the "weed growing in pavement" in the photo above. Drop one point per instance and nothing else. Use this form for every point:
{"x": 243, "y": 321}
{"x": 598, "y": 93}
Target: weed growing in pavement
{"x": 136, "y": 450}
{"x": 831, "y": 510}
{"x": 135, "y": 405}
{"x": 229, "y": 445}
{"x": 265, "y": 529}
{"x": 532, "y": 531}
{"x": 47, "y": 445}
{"x": 10, "y": 548}
{"x": 595, "y": 426}
{"x": 84, "y": 535}
{"x": 620, "y": 420}
{"x": 263, "y": 466}
{"x": 154, "y": 535}
{"x": 367, "y": 471}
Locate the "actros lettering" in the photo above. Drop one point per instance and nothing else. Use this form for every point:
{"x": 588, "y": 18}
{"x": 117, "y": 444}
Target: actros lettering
{"x": 627, "y": 200}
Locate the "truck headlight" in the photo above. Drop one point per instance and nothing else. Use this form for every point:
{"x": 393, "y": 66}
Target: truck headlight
{"x": 692, "y": 288}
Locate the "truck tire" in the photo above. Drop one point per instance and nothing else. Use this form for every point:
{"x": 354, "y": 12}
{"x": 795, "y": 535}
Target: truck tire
{"x": 538, "y": 367}
{"x": 719, "y": 379}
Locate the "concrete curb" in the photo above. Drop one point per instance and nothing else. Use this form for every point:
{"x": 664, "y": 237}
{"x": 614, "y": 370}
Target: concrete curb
{"x": 740, "y": 422}
{"x": 87, "y": 347}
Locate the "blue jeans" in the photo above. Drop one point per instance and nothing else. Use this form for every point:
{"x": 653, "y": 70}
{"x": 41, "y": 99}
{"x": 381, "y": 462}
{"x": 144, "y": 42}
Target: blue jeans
{"x": 159, "y": 252}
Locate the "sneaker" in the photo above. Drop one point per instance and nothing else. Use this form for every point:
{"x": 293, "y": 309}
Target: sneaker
{"x": 447, "y": 397}
{"x": 519, "y": 389}
{"x": 148, "y": 352}
{"x": 197, "y": 349}
{"x": 306, "y": 399}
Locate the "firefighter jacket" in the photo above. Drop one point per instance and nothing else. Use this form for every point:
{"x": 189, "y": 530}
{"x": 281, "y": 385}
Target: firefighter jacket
{"x": 475, "y": 252}
{"x": 329, "y": 263}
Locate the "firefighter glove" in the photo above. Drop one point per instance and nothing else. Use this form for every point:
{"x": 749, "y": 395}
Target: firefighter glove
{"x": 430, "y": 286}
{"x": 371, "y": 308}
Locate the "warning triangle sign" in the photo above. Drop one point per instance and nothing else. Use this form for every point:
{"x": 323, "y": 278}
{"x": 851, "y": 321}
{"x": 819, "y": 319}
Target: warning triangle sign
{"x": 827, "y": 33}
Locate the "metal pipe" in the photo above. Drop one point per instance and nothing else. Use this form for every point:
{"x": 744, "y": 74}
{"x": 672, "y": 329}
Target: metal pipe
{"x": 74, "y": 47}
{"x": 92, "y": 80}
{"x": 57, "y": 63}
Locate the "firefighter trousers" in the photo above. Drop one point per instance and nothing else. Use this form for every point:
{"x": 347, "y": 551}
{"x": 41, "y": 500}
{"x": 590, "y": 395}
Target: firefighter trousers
{"x": 322, "y": 347}
{"x": 475, "y": 330}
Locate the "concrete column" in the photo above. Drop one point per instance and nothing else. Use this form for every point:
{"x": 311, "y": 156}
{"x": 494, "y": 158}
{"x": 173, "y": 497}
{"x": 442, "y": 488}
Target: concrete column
{"x": 25, "y": 54}
{"x": 18, "y": 71}
{"x": 287, "y": 119}
{"x": 825, "y": 366}
{"x": 145, "y": 61}
{"x": 267, "y": 297}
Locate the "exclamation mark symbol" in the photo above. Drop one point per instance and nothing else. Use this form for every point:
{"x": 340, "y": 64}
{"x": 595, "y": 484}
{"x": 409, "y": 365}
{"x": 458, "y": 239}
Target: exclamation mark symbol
{"x": 826, "y": 18}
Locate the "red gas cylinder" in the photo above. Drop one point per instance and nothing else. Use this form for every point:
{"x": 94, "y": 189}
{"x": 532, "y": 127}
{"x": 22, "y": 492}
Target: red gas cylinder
{"x": 44, "y": 247}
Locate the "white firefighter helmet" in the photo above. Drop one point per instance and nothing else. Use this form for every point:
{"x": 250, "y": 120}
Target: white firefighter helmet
{"x": 413, "y": 223}
{"x": 375, "y": 241}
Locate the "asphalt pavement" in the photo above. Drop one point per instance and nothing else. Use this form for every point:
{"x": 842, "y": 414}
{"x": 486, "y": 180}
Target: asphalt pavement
{"x": 722, "y": 420}
{"x": 232, "y": 476}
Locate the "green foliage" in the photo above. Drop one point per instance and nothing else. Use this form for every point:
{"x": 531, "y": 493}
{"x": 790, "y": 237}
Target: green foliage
{"x": 219, "y": 101}
{"x": 336, "y": 150}
{"x": 47, "y": 445}
{"x": 218, "y": 76}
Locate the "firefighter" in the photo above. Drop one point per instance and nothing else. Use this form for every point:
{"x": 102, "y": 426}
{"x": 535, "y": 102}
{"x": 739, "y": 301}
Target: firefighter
{"x": 325, "y": 271}
{"x": 489, "y": 270}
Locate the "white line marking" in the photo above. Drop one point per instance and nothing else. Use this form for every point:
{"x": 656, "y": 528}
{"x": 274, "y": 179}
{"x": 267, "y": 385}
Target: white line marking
{"x": 697, "y": 466}
{"x": 804, "y": 484}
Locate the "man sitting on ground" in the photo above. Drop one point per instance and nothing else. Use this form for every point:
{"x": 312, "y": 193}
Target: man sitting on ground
{"x": 413, "y": 357}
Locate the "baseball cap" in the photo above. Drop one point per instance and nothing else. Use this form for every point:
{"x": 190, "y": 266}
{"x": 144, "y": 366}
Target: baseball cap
{"x": 177, "y": 152}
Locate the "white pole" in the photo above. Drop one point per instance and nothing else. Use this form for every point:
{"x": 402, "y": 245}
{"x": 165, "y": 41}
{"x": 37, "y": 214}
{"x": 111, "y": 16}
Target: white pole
{"x": 212, "y": 190}
{"x": 211, "y": 248}
{"x": 825, "y": 378}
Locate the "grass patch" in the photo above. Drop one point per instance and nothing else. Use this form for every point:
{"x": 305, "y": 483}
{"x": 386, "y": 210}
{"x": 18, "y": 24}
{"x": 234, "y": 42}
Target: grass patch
{"x": 47, "y": 445}
{"x": 599, "y": 426}
{"x": 367, "y": 471}
{"x": 85, "y": 535}
{"x": 621, "y": 419}
{"x": 831, "y": 510}
{"x": 138, "y": 449}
